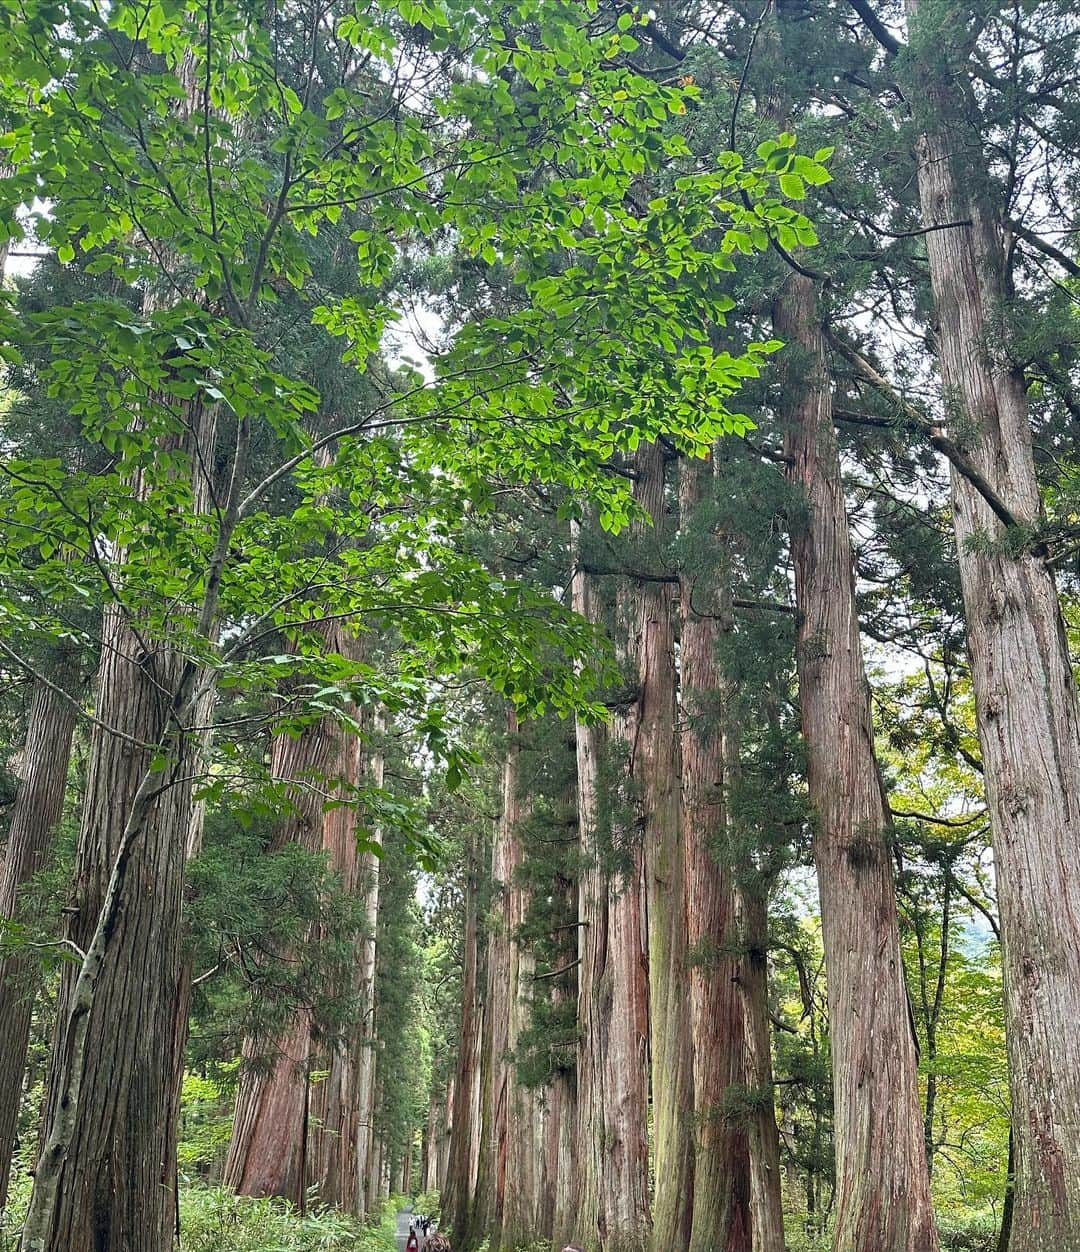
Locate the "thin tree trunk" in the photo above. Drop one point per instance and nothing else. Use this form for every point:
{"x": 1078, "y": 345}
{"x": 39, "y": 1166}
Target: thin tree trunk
{"x": 462, "y": 1165}
{"x": 505, "y": 858}
{"x": 480, "y": 1215}
{"x": 766, "y": 1194}
{"x": 721, "y": 1197}
{"x": 443, "y": 1169}
{"x": 429, "y": 1157}
{"x": 1008, "y": 1207}
{"x": 1025, "y": 693}
{"x": 931, "y": 1010}
{"x": 375, "y": 1159}
{"x": 612, "y": 1070}
{"x": 522, "y": 1202}
{"x": 39, "y": 802}
{"x": 365, "y": 1076}
{"x": 653, "y": 745}
{"x": 882, "y": 1185}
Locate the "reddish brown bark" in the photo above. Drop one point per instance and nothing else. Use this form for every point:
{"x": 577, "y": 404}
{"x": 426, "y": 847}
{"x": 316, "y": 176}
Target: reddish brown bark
{"x": 269, "y": 1146}
{"x": 763, "y": 1135}
{"x": 335, "y": 1106}
{"x": 1025, "y": 693}
{"x": 109, "y": 1176}
{"x": 443, "y": 1154}
{"x": 367, "y": 1050}
{"x": 561, "y": 1158}
{"x": 648, "y": 730}
{"x": 721, "y": 1205}
{"x": 505, "y": 857}
{"x": 523, "y": 1219}
{"x": 465, "y": 1126}
{"x": 38, "y": 805}
{"x": 612, "y": 1071}
{"x": 516, "y": 1116}
{"x": 882, "y": 1185}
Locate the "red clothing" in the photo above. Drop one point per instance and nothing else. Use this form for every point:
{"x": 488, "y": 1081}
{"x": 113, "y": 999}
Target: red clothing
{"x": 413, "y": 1244}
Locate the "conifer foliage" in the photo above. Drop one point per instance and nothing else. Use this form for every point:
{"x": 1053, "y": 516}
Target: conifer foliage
{"x": 537, "y": 603}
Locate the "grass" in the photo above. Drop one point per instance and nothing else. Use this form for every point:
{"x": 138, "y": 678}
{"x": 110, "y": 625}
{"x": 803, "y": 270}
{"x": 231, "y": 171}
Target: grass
{"x": 215, "y": 1220}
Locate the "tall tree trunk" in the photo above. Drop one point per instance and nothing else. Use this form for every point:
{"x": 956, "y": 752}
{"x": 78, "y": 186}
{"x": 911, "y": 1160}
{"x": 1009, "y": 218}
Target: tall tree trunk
{"x": 562, "y": 1159}
{"x": 763, "y": 1135}
{"x": 443, "y": 1166}
{"x": 559, "y": 1148}
{"x": 523, "y": 1218}
{"x": 481, "y": 1217}
{"x": 650, "y": 734}
{"x": 612, "y": 1017}
{"x": 336, "y": 1101}
{"x": 106, "y": 1176}
{"x": 104, "y": 1182}
{"x": 505, "y": 858}
{"x": 39, "y": 802}
{"x": 375, "y": 1158}
{"x": 463, "y": 1162}
{"x": 368, "y": 1051}
{"x": 721, "y": 1201}
{"x": 429, "y": 1155}
{"x": 268, "y": 1149}
{"x": 882, "y": 1185}
{"x": 1025, "y": 693}
{"x": 514, "y": 1137}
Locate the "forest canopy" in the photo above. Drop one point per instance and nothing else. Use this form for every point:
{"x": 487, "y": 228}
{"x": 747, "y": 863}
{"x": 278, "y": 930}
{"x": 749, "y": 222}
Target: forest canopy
{"x": 537, "y": 626}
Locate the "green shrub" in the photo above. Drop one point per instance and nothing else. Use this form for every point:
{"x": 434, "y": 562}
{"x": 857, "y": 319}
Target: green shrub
{"x": 11, "y": 1218}
{"x": 206, "y": 1118}
{"x": 213, "y": 1220}
{"x": 973, "y": 1232}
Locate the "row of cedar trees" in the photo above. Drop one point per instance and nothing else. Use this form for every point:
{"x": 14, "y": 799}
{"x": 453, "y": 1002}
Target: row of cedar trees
{"x": 666, "y": 1135}
{"x": 636, "y": 1151}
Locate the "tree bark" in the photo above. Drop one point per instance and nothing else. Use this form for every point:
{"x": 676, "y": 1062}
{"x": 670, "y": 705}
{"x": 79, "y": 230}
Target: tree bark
{"x": 563, "y": 1159}
{"x": 429, "y": 1156}
{"x": 721, "y": 1195}
{"x": 504, "y": 860}
{"x": 104, "y": 1181}
{"x": 766, "y": 1195}
{"x": 1025, "y": 693}
{"x": 523, "y": 1218}
{"x": 882, "y": 1186}
{"x": 336, "y": 1101}
{"x": 654, "y": 767}
{"x": 443, "y": 1161}
{"x": 368, "y": 1051}
{"x": 612, "y": 1071}
{"x": 463, "y": 1162}
{"x": 268, "y": 1149}
{"x": 515, "y": 1137}
{"x": 39, "y": 803}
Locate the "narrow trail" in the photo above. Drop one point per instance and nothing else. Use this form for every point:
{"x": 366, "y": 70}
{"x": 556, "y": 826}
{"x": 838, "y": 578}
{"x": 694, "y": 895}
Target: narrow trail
{"x": 402, "y": 1236}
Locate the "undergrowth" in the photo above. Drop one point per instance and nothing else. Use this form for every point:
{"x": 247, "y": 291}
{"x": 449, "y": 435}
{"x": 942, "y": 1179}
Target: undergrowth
{"x": 215, "y": 1220}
